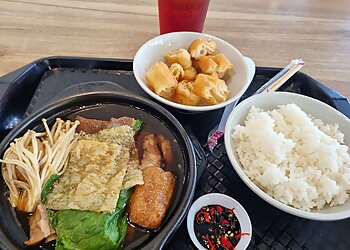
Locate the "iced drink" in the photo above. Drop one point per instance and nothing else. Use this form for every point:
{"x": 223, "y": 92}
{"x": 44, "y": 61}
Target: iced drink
{"x": 182, "y": 15}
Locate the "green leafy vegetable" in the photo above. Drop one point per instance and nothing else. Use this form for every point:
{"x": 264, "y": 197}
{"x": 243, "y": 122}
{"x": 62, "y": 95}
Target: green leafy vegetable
{"x": 48, "y": 186}
{"x": 90, "y": 230}
{"x": 137, "y": 126}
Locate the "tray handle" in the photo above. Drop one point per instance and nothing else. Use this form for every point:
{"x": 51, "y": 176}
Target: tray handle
{"x": 7, "y": 79}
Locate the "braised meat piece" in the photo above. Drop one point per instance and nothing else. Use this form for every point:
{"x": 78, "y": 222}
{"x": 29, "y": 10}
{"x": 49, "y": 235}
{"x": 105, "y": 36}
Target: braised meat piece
{"x": 151, "y": 154}
{"x": 115, "y": 122}
{"x": 150, "y": 201}
{"x": 91, "y": 126}
{"x": 165, "y": 147}
{"x": 40, "y": 226}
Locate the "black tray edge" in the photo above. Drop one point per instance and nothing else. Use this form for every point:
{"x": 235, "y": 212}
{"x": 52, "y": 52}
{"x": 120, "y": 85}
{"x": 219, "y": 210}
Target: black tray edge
{"x": 54, "y": 62}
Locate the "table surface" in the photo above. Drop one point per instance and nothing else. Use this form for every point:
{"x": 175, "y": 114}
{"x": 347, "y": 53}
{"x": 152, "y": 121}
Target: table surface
{"x": 270, "y": 32}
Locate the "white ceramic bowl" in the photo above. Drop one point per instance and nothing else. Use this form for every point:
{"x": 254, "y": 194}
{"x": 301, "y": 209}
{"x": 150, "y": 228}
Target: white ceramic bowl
{"x": 317, "y": 109}
{"x": 154, "y": 50}
{"x": 225, "y": 201}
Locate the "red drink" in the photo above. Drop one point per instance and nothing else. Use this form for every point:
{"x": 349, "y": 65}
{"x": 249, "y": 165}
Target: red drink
{"x": 182, "y": 15}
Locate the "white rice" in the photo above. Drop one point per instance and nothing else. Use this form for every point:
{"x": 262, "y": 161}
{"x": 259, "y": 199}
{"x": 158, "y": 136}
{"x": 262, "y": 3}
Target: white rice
{"x": 293, "y": 157}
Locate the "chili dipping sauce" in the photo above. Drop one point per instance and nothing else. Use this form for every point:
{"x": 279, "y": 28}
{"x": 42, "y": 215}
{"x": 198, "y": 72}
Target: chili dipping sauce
{"x": 217, "y": 227}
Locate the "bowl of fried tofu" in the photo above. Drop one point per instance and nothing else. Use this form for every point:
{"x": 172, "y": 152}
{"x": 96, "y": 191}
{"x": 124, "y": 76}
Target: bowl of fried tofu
{"x": 191, "y": 71}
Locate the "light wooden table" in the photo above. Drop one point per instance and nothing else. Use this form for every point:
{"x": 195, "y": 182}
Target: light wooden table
{"x": 271, "y": 32}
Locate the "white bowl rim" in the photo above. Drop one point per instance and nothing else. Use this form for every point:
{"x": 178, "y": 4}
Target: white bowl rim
{"x": 255, "y": 188}
{"x": 215, "y": 200}
{"x": 142, "y": 84}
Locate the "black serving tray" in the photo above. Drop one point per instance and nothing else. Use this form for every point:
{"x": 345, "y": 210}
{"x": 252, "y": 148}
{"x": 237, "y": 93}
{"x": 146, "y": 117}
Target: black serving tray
{"x": 27, "y": 89}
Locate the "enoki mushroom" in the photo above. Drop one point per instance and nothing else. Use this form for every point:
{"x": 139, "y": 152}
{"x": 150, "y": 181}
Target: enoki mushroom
{"x": 31, "y": 159}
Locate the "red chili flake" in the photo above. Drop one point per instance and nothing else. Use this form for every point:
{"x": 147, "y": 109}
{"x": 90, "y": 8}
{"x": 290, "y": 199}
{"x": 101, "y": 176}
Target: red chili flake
{"x": 226, "y": 244}
{"x": 210, "y": 244}
{"x": 219, "y": 209}
{"x": 240, "y": 235}
{"x": 212, "y": 212}
{"x": 225, "y": 222}
{"x": 230, "y": 211}
{"x": 206, "y": 217}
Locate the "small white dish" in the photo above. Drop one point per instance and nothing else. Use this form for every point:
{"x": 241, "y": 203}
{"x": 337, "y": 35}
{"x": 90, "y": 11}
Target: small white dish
{"x": 225, "y": 201}
{"x": 154, "y": 50}
{"x": 315, "y": 108}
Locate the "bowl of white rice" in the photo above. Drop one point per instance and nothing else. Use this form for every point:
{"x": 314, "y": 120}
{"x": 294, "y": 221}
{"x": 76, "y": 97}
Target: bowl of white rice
{"x": 293, "y": 152}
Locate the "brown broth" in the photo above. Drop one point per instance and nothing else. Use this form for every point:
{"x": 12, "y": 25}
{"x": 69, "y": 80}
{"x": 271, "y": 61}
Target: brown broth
{"x": 134, "y": 237}
{"x": 22, "y": 218}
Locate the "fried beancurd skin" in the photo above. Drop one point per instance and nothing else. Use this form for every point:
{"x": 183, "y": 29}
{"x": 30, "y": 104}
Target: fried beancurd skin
{"x": 201, "y": 47}
{"x": 207, "y": 65}
{"x": 177, "y": 71}
{"x": 224, "y": 64}
{"x": 190, "y": 74}
{"x": 211, "y": 89}
{"x": 161, "y": 80}
{"x": 180, "y": 56}
{"x": 184, "y": 94}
